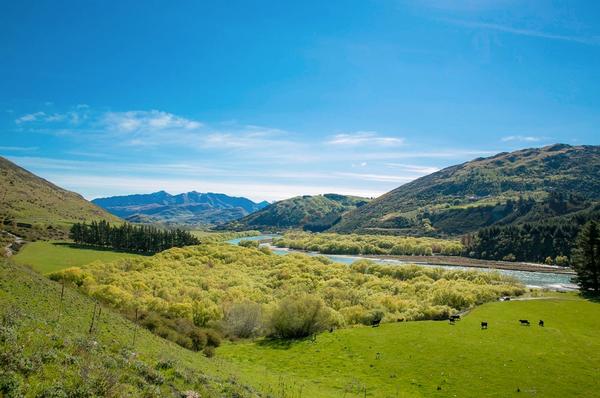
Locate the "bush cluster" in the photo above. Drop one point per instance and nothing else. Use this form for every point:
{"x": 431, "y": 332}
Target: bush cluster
{"x": 182, "y": 331}
{"x": 245, "y": 292}
{"x": 329, "y": 243}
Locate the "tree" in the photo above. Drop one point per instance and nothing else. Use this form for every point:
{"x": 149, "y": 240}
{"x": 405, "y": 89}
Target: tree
{"x": 586, "y": 258}
{"x": 297, "y": 317}
{"x": 243, "y": 320}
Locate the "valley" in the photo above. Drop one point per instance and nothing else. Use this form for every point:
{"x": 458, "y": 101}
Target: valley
{"x": 275, "y": 303}
{"x": 300, "y": 199}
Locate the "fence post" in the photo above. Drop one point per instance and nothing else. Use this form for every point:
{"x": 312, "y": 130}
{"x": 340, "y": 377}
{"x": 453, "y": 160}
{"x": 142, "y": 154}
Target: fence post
{"x": 93, "y": 317}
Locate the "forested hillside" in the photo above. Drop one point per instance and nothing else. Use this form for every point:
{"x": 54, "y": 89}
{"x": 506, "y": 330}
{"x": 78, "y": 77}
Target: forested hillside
{"x": 506, "y": 189}
{"x": 191, "y": 208}
{"x": 312, "y": 213}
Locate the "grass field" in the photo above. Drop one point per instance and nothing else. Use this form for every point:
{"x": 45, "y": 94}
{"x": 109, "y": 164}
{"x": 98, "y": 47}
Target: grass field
{"x": 416, "y": 359}
{"x": 423, "y": 359}
{"x": 57, "y": 352}
{"x": 46, "y": 257}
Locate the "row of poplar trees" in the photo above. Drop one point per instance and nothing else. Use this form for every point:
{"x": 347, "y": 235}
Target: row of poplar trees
{"x": 128, "y": 237}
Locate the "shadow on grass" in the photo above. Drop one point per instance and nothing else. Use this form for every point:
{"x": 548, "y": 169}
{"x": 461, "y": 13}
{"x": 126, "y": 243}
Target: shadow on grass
{"x": 589, "y": 296}
{"x": 280, "y": 344}
{"x": 98, "y": 248}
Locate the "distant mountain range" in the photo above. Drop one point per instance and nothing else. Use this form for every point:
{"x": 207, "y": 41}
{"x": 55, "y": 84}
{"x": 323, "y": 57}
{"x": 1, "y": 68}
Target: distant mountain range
{"x": 36, "y": 208}
{"x": 528, "y": 185}
{"x": 191, "y": 208}
{"x": 312, "y": 213}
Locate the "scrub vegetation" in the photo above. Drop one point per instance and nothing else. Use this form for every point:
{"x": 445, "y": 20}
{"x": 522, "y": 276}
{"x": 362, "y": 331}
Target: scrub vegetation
{"x": 191, "y": 291}
{"x": 329, "y": 243}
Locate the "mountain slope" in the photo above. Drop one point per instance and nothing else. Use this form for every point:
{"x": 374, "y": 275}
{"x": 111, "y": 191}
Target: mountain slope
{"x": 29, "y": 199}
{"x": 49, "y": 349}
{"x": 186, "y": 208}
{"x": 507, "y": 188}
{"x": 313, "y": 213}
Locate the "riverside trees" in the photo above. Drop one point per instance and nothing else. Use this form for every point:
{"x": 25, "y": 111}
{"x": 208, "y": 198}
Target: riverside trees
{"x": 586, "y": 258}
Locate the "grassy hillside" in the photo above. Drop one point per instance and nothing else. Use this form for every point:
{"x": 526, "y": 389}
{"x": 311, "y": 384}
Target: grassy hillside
{"x": 43, "y": 354}
{"x": 313, "y": 213}
{"x": 45, "y": 257}
{"x": 554, "y": 180}
{"x": 436, "y": 359}
{"x": 37, "y": 204}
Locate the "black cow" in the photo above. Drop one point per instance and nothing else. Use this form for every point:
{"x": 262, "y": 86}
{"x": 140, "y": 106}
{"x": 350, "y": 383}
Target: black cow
{"x": 524, "y": 322}
{"x": 484, "y": 325}
{"x": 375, "y": 323}
{"x": 455, "y": 317}
{"x": 541, "y": 323}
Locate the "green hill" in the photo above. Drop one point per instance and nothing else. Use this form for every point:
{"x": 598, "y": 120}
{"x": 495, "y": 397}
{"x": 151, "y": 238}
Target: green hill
{"x": 508, "y": 188}
{"x": 312, "y": 213}
{"x": 48, "y": 350}
{"x": 34, "y": 207}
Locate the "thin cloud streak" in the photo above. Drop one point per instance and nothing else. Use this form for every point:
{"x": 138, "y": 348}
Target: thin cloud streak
{"x": 593, "y": 41}
{"x": 363, "y": 138}
{"x": 521, "y": 138}
{"x": 92, "y": 186}
{"x": 19, "y": 148}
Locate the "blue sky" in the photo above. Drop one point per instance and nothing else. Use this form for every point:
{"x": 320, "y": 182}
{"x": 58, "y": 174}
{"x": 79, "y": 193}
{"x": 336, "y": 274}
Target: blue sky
{"x": 271, "y": 99}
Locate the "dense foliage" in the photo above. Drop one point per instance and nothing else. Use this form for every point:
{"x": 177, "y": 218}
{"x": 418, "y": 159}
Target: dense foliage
{"x": 464, "y": 198}
{"x": 203, "y": 283}
{"x": 549, "y": 241}
{"x": 128, "y": 237}
{"x": 328, "y": 243}
{"x": 587, "y": 258}
{"x": 312, "y": 213}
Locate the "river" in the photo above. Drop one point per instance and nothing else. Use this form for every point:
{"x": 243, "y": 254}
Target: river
{"x": 548, "y": 280}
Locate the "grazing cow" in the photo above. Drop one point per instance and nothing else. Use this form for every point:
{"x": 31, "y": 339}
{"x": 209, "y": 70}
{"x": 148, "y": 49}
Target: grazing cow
{"x": 524, "y": 322}
{"x": 484, "y": 325}
{"x": 541, "y": 323}
{"x": 455, "y": 317}
{"x": 375, "y": 323}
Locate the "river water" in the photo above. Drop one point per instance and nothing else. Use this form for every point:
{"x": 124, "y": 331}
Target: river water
{"x": 532, "y": 279}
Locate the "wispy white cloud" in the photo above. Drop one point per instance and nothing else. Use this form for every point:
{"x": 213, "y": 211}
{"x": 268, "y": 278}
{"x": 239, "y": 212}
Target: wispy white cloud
{"x": 95, "y": 186}
{"x": 30, "y": 117}
{"x": 521, "y": 138}
{"x": 377, "y": 177}
{"x": 463, "y": 5}
{"x": 588, "y": 40}
{"x": 72, "y": 117}
{"x": 413, "y": 168}
{"x": 363, "y": 138}
{"x": 147, "y": 121}
{"x": 18, "y": 148}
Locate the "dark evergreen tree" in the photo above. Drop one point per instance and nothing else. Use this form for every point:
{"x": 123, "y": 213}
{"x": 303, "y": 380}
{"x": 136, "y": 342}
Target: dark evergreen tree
{"x": 141, "y": 239}
{"x": 586, "y": 258}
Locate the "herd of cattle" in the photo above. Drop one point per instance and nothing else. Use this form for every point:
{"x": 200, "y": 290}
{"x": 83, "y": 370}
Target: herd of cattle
{"x": 484, "y": 324}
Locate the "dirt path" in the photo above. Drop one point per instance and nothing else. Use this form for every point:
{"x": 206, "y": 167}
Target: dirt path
{"x": 14, "y": 246}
